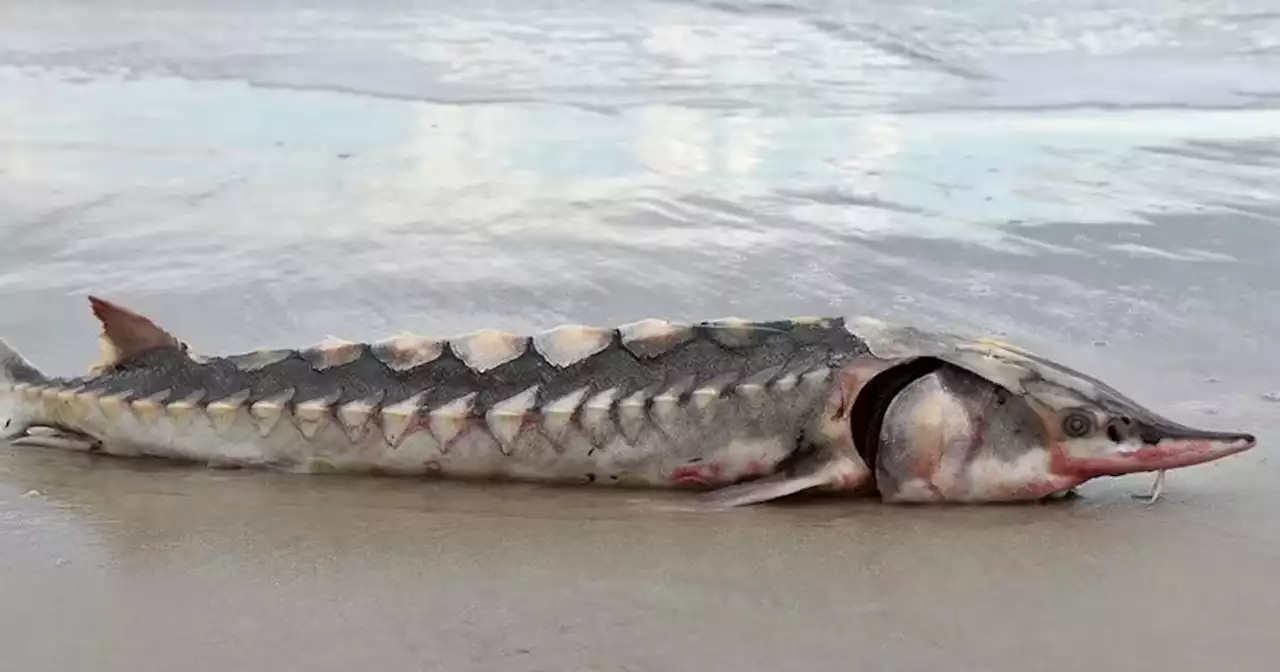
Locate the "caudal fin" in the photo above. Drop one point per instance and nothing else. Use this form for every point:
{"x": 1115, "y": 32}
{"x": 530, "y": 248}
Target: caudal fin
{"x": 14, "y": 368}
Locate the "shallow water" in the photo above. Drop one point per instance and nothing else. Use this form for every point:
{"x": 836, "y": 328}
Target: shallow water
{"x": 1092, "y": 179}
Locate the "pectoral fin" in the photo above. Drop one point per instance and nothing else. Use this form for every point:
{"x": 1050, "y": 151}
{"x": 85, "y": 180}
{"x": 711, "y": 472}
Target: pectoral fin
{"x": 820, "y": 470}
{"x": 51, "y": 437}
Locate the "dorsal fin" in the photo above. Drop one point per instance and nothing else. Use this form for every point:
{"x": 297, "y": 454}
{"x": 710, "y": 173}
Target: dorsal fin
{"x": 126, "y": 334}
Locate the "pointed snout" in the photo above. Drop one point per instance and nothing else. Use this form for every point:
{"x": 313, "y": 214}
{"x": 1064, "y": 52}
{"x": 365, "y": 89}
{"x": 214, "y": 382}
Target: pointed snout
{"x": 1162, "y": 447}
{"x": 1173, "y": 453}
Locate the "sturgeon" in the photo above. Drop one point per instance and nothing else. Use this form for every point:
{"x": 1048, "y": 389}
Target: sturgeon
{"x": 745, "y": 411}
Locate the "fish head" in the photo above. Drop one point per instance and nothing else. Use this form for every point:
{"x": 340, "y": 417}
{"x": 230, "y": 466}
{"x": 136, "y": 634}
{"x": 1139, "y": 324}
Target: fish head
{"x": 987, "y": 421}
{"x": 1095, "y": 430}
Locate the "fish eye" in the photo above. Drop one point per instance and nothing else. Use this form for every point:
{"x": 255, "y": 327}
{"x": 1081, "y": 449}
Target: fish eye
{"x": 1077, "y": 424}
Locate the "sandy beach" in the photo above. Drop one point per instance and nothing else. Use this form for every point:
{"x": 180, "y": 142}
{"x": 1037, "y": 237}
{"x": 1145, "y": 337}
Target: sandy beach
{"x": 1092, "y": 180}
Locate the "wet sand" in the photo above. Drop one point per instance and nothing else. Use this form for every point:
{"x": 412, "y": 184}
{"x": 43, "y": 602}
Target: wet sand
{"x": 117, "y": 566}
{"x": 1095, "y": 181}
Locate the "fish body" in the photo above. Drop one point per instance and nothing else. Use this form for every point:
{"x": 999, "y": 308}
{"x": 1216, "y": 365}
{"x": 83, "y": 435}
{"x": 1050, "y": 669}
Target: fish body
{"x": 750, "y": 410}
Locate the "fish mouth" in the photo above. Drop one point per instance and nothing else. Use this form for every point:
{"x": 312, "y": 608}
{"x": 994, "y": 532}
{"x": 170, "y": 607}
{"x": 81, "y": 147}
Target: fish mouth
{"x": 1162, "y": 447}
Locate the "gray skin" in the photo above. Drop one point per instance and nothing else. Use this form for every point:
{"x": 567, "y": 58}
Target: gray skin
{"x": 750, "y": 411}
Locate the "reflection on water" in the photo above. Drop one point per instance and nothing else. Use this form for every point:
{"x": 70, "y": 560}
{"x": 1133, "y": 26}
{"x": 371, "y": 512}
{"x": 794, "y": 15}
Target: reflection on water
{"x": 343, "y": 167}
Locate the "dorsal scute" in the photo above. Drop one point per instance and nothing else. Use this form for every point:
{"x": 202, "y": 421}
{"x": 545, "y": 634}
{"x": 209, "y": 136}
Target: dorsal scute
{"x": 568, "y": 344}
{"x": 405, "y": 351}
{"x": 486, "y": 349}
{"x": 653, "y": 337}
{"x": 332, "y": 352}
{"x": 259, "y": 359}
{"x": 734, "y": 332}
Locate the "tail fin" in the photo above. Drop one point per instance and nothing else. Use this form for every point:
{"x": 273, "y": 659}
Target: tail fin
{"x": 14, "y": 368}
